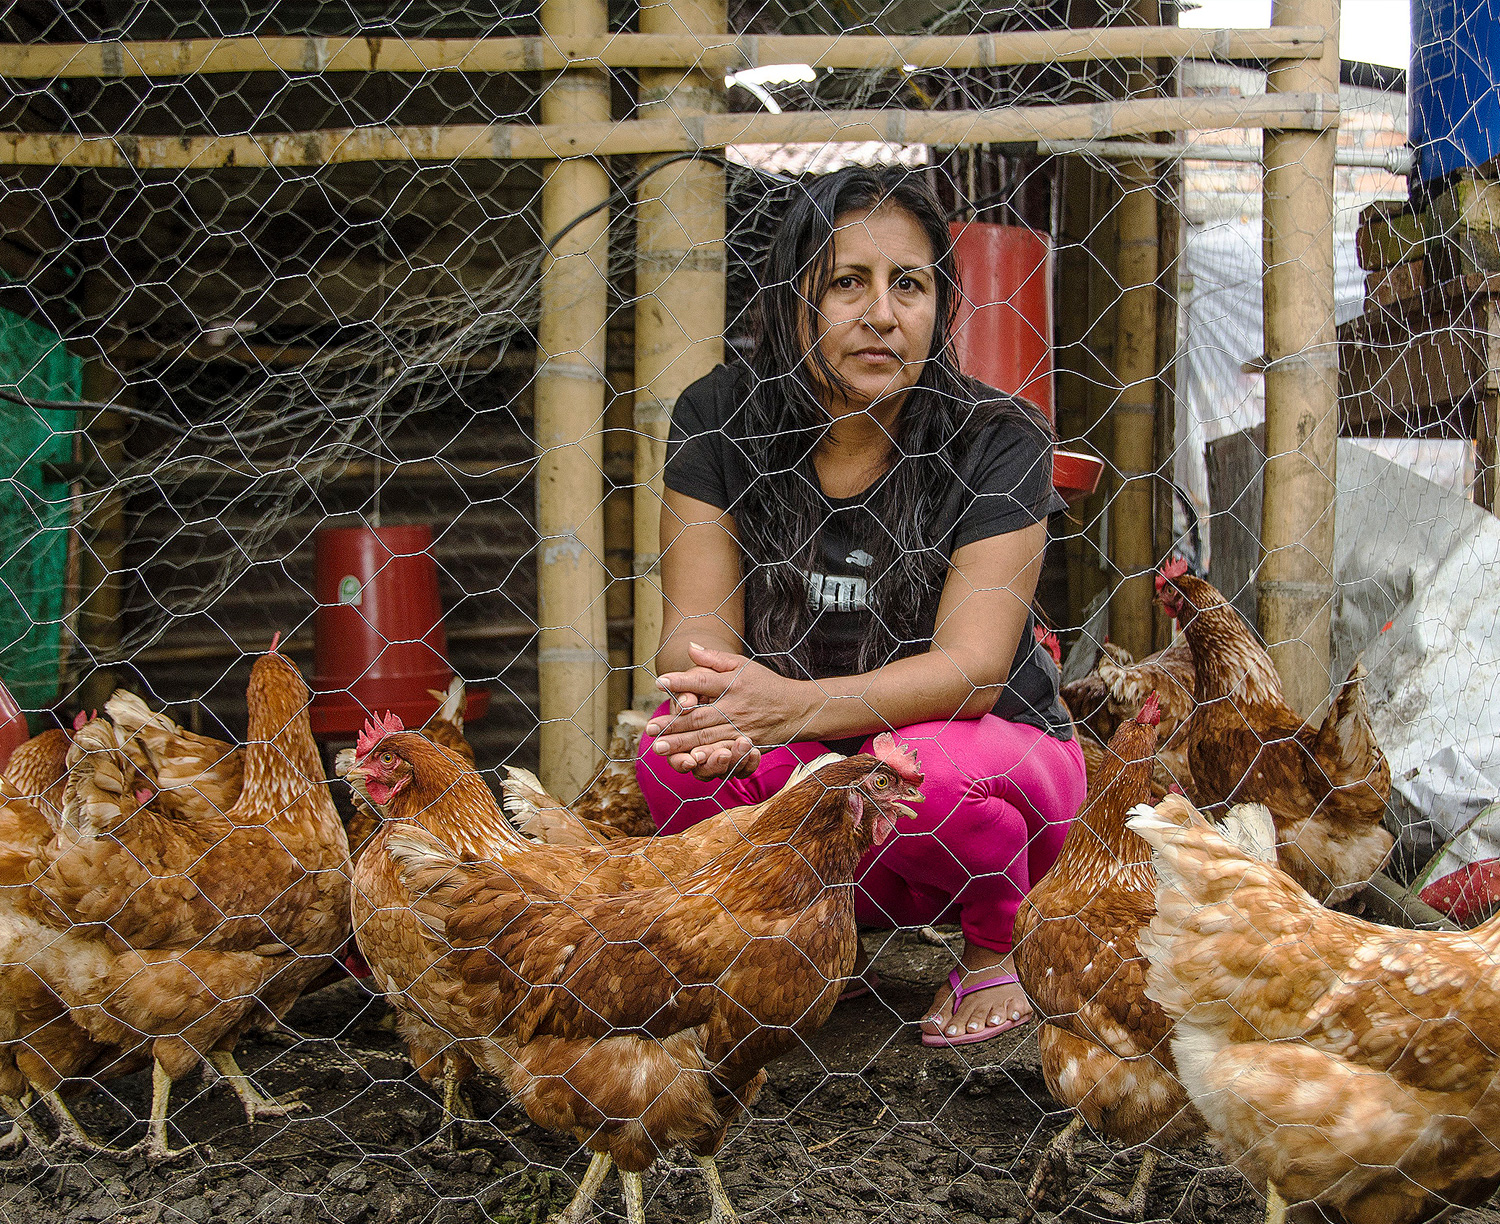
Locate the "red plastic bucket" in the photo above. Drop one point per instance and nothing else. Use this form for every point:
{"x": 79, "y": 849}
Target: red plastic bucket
{"x": 13, "y": 729}
{"x": 1003, "y": 332}
{"x": 378, "y": 633}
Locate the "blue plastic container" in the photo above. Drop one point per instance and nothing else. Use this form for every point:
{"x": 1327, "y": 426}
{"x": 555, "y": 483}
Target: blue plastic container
{"x": 1454, "y": 84}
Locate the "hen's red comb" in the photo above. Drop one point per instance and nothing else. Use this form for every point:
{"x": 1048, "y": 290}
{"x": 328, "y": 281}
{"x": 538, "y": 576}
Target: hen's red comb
{"x": 1150, "y": 714}
{"x": 374, "y": 732}
{"x": 1049, "y": 639}
{"x": 1173, "y": 569}
{"x": 900, "y": 758}
{"x": 80, "y": 720}
{"x": 275, "y": 637}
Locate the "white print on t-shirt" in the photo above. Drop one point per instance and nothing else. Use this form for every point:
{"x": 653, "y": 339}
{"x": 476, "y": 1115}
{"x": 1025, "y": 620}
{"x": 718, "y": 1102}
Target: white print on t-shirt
{"x": 859, "y": 557}
{"x": 836, "y": 593}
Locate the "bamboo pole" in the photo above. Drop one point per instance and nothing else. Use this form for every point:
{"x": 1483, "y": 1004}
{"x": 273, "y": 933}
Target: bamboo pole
{"x": 708, "y": 52}
{"x": 550, "y": 140}
{"x": 679, "y": 312}
{"x": 1296, "y": 581}
{"x": 1168, "y": 255}
{"x": 1134, "y": 411}
{"x": 573, "y": 650}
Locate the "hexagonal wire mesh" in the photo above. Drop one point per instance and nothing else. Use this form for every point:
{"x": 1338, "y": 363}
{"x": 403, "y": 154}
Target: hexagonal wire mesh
{"x": 310, "y": 349}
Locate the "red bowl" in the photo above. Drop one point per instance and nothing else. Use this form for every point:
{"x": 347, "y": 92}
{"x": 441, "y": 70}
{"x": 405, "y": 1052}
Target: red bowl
{"x": 1074, "y": 474}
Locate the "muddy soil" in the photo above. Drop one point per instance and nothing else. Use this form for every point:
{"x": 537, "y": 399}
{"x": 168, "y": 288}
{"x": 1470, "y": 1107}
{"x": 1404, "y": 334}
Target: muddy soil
{"x": 864, "y": 1125}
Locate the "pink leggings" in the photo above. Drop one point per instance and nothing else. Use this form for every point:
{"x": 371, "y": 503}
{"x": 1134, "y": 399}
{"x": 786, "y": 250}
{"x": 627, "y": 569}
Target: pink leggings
{"x": 999, "y": 799}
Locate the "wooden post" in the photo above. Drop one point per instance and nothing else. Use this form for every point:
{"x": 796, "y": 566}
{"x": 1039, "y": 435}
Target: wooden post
{"x": 679, "y": 311}
{"x": 102, "y": 530}
{"x": 573, "y": 651}
{"x": 1076, "y": 375}
{"x": 1131, "y": 515}
{"x": 1296, "y": 582}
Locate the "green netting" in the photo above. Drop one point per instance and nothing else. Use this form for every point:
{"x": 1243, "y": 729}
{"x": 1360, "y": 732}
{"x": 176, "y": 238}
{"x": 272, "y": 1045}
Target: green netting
{"x": 34, "y": 511}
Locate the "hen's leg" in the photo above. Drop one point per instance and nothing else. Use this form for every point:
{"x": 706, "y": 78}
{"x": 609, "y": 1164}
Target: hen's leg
{"x": 70, "y": 1134}
{"x": 581, "y": 1206}
{"x": 23, "y": 1129}
{"x": 157, "y": 1149}
{"x": 456, "y": 1109}
{"x": 721, "y": 1210}
{"x": 634, "y": 1191}
{"x": 256, "y": 1106}
{"x": 1133, "y": 1205}
{"x": 1275, "y": 1205}
{"x": 1056, "y": 1161}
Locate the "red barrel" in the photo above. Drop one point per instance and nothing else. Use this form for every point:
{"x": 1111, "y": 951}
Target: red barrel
{"x": 1003, "y": 332}
{"x": 378, "y": 634}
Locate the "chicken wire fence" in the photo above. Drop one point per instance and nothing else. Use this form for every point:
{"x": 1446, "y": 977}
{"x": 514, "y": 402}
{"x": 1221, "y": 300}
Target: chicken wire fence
{"x": 222, "y": 351}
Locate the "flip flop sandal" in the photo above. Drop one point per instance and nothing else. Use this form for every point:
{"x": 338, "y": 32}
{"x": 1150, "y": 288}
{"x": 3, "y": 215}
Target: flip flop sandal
{"x": 989, "y": 1030}
{"x": 860, "y": 986}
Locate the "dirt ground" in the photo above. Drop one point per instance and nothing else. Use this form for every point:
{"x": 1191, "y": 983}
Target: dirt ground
{"x": 865, "y": 1125}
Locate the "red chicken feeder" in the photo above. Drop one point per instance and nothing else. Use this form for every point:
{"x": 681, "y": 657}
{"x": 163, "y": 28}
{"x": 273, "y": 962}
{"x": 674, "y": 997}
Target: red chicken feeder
{"x": 1003, "y": 332}
{"x": 13, "y": 729}
{"x": 378, "y": 633}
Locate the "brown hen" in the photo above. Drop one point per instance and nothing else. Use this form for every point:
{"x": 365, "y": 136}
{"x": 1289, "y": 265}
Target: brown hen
{"x": 1326, "y": 787}
{"x": 452, "y": 802}
{"x": 1102, "y": 1043}
{"x": 637, "y": 1017}
{"x": 167, "y": 929}
{"x": 1343, "y": 1065}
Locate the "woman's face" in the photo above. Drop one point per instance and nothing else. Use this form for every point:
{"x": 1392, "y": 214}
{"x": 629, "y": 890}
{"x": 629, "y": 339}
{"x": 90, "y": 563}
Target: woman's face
{"x": 875, "y": 323}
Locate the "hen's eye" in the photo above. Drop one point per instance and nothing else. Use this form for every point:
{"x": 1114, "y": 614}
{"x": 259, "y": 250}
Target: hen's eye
{"x": 881, "y": 782}
{"x": 387, "y": 758}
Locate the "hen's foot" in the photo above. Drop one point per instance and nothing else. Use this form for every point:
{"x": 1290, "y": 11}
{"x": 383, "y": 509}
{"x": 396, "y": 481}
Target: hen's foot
{"x": 581, "y": 1207}
{"x": 256, "y": 1105}
{"x": 721, "y": 1210}
{"x": 23, "y": 1129}
{"x": 1132, "y": 1206}
{"x": 1055, "y": 1164}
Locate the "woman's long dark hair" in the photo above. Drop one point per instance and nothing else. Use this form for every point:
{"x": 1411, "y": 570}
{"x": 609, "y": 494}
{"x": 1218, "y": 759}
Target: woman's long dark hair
{"x": 783, "y": 419}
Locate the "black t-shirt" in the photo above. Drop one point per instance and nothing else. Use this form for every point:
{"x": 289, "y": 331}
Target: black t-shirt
{"x": 1002, "y": 482}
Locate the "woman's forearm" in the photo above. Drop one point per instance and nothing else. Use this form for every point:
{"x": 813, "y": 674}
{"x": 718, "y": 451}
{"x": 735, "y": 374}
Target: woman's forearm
{"x": 923, "y": 688}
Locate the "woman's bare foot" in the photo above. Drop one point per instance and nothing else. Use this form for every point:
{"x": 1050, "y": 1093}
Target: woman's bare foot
{"x": 980, "y": 1008}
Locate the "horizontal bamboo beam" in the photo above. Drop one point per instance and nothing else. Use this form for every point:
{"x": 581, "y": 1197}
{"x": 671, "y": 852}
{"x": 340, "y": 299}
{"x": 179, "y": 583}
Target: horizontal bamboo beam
{"x": 705, "y": 52}
{"x": 515, "y": 142}
{"x": 302, "y": 644}
{"x": 1393, "y": 161}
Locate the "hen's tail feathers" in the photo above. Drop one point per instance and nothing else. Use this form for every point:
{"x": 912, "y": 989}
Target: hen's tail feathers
{"x": 104, "y": 787}
{"x": 625, "y": 738}
{"x": 535, "y": 814}
{"x": 1250, "y": 827}
{"x": 1247, "y": 827}
{"x": 1346, "y": 740}
{"x": 452, "y": 708}
{"x": 808, "y": 768}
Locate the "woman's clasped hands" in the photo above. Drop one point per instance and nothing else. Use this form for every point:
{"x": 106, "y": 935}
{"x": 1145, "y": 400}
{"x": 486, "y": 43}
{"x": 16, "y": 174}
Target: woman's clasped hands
{"x": 724, "y": 708}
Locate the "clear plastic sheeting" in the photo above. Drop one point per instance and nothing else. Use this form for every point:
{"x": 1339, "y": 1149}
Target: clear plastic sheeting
{"x": 1422, "y": 559}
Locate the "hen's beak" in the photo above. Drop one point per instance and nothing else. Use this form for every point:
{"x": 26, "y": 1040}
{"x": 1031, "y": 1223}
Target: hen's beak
{"x": 910, "y": 794}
